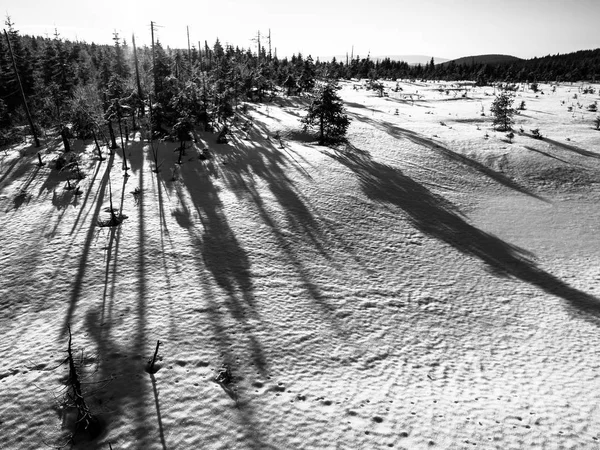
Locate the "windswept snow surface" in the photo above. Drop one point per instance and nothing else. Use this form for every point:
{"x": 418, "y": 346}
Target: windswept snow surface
{"x": 421, "y": 287}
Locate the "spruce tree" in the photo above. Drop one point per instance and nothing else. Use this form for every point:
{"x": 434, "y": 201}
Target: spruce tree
{"x": 326, "y": 113}
{"x": 503, "y": 111}
{"x": 307, "y": 75}
{"x": 290, "y": 84}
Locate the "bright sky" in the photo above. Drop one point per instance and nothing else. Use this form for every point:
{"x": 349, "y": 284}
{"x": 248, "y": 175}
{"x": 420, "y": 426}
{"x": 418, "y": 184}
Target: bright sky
{"x": 442, "y": 28}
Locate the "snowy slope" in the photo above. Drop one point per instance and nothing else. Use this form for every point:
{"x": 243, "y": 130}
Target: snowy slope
{"x": 421, "y": 287}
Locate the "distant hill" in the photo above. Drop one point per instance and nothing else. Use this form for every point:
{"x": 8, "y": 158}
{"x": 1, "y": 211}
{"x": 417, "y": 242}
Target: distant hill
{"x": 485, "y": 59}
{"x": 412, "y": 60}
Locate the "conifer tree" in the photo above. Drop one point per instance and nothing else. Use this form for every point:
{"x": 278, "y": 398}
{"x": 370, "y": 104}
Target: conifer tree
{"x": 290, "y": 84}
{"x": 503, "y": 111}
{"x": 326, "y": 113}
{"x": 9, "y": 85}
{"x": 307, "y": 76}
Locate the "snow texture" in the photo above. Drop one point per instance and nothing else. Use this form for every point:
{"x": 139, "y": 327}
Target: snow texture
{"x": 422, "y": 286}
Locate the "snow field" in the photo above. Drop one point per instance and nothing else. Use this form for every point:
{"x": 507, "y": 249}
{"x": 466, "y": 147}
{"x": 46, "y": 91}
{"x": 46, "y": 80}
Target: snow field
{"x": 422, "y": 287}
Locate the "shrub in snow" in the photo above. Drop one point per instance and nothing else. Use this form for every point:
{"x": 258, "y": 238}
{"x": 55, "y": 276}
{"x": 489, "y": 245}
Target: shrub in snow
{"x": 536, "y": 133}
{"x": 378, "y": 87}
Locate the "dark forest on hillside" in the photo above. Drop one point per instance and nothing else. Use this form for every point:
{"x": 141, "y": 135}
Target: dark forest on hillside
{"x": 86, "y": 90}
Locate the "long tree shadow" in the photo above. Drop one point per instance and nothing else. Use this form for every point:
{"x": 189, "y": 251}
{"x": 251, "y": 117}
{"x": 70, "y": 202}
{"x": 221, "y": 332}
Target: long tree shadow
{"x": 428, "y": 213}
{"x": 531, "y": 149}
{"x": 136, "y": 154}
{"x": 123, "y": 365}
{"x": 229, "y": 264}
{"x": 87, "y": 195}
{"x": 77, "y": 285}
{"x": 572, "y": 148}
{"x": 158, "y": 415}
{"x": 268, "y": 163}
{"x": 18, "y": 167}
{"x": 223, "y": 255}
{"x": 402, "y": 133}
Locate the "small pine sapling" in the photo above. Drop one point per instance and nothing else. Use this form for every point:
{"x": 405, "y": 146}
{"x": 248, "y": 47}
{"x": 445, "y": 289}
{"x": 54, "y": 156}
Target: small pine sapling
{"x": 225, "y": 379}
{"x": 597, "y": 122}
{"x": 535, "y": 133}
{"x": 510, "y": 137}
{"x": 137, "y": 195}
{"x": 77, "y": 415}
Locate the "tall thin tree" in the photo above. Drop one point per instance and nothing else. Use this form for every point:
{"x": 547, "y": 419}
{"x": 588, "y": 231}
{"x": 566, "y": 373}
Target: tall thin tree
{"x": 189, "y": 49}
{"x": 137, "y": 77}
{"x": 12, "y": 56}
{"x": 153, "y": 58}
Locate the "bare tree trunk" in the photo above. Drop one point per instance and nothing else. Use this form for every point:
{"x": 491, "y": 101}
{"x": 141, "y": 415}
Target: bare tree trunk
{"x": 189, "y": 49}
{"x": 65, "y": 139}
{"x": 137, "y": 78}
{"x": 125, "y": 168}
{"x": 321, "y": 130}
{"x": 97, "y": 145}
{"x": 113, "y": 139}
{"x": 153, "y": 58}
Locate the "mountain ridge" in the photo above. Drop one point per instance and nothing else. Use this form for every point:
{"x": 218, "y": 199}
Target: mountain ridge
{"x": 410, "y": 59}
{"x": 490, "y": 58}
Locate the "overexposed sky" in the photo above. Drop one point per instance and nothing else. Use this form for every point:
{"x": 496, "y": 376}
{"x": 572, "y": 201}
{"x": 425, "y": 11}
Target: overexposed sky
{"x": 442, "y": 28}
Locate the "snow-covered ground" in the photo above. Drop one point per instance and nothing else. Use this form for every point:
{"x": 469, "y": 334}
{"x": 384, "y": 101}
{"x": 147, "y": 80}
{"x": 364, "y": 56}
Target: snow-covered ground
{"x": 424, "y": 286}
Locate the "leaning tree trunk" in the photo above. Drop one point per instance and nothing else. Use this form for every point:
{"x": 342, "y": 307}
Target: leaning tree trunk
{"x": 97, "y": 145}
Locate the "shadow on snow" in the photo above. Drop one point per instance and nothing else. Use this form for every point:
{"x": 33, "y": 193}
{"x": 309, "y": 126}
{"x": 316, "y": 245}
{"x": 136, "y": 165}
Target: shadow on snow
{"x": 429, "y": 214}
